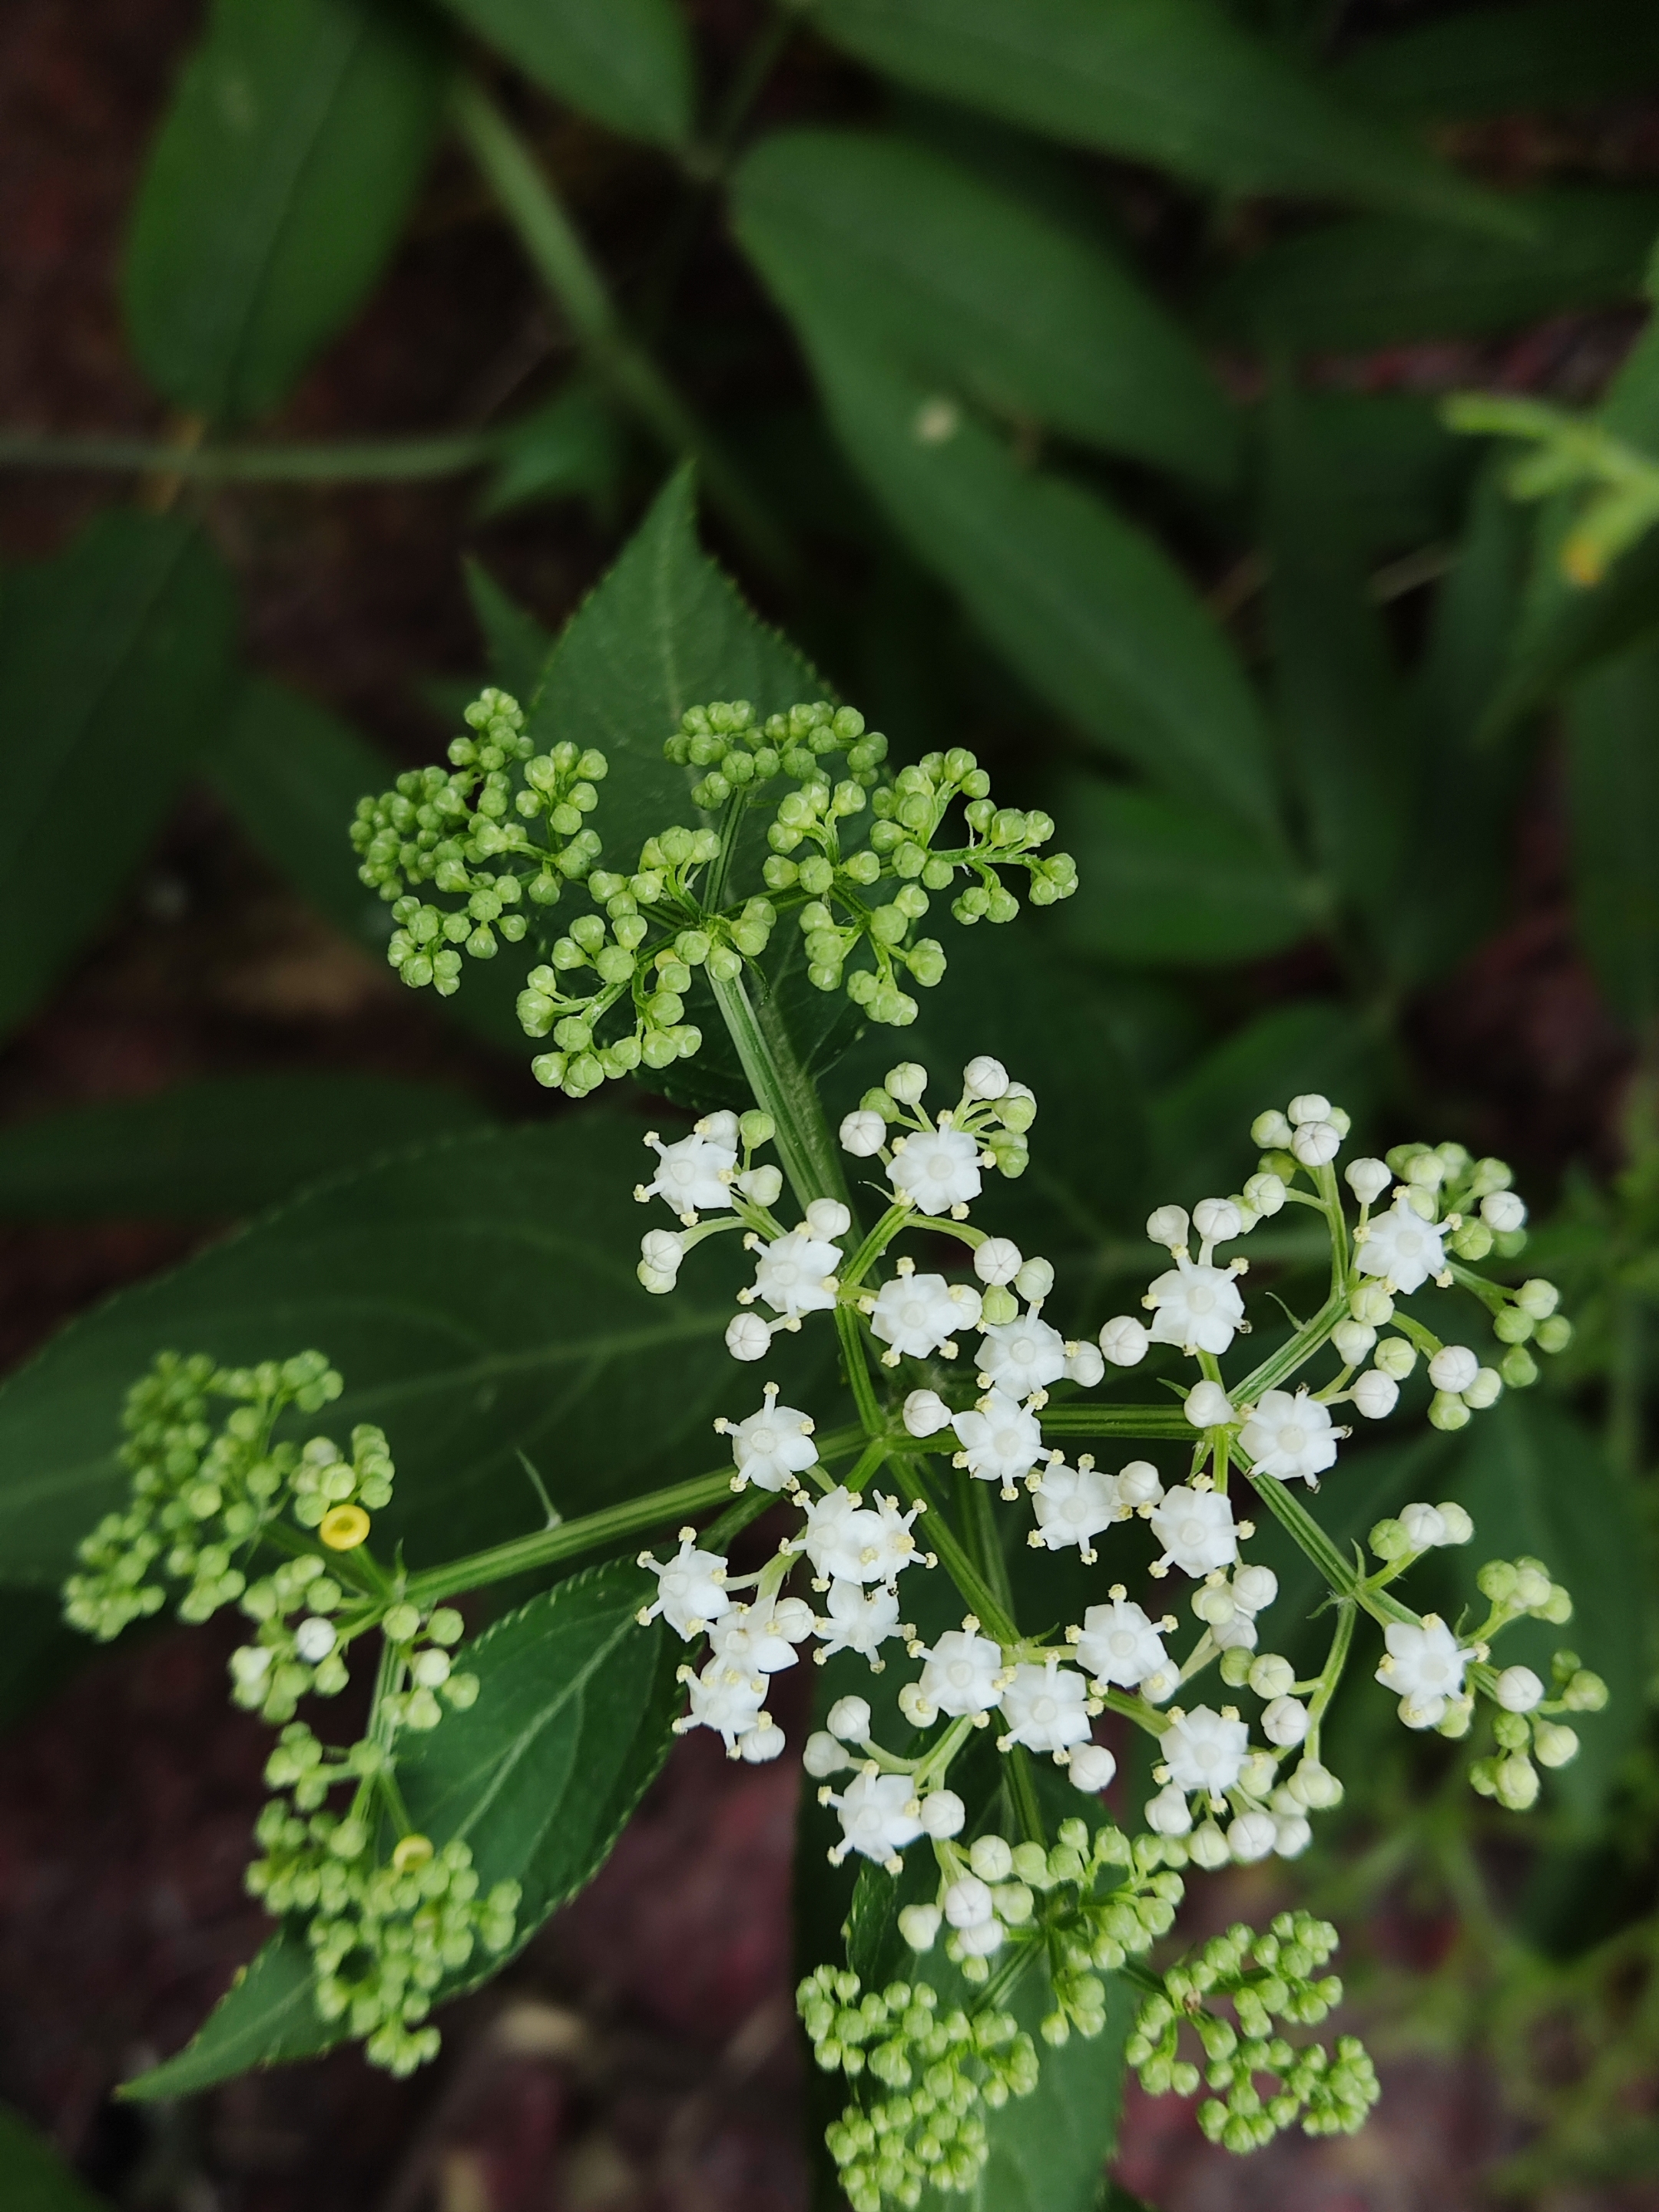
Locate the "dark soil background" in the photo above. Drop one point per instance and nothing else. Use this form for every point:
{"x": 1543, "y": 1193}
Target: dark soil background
{"x": 641, "y": 2055}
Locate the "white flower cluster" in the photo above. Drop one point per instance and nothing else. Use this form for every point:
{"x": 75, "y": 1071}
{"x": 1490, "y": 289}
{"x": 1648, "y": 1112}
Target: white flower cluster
{"x": 1222, "y": 1796}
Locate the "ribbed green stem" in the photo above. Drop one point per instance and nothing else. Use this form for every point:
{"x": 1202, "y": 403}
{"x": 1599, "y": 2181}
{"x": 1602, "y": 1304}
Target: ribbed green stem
{"x": 592, "y": 1533}
{"x": 360, "y": 460}
{"x": 783, "y": 1089}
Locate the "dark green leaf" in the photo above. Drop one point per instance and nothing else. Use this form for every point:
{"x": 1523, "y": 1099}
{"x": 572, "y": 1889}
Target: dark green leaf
{"x": 275, "y": 194}
{"x": 292, "y": 774}
{"x": 35, "y": 2179}
{"x": 479, "y": 1298}
{"x": 1613, "y": 786}
{"x": 1048, "y": 2151}
{"x": 231, "y": 1144}
{"x": 1094, "y": 616}
{"x": 1491, "y": 61}
{"x": 540, "y": 1776}
{"x": 573, "y": 445}
{"x": 1168, "y": 81}
{"x": 1162, "y": 881}
{"x": 113, "y": 658}
{"x": 966, "y": 287}
{"x": 1383, "y": 280}
{"x": 1566, "y": 627}
{"x": 517, "y": 645}
{"x": 39, "y": 1652}
{"x": 626, "y": 63}
{"x": 1402, "y": 474}
{"x": 1537, "y": 1482}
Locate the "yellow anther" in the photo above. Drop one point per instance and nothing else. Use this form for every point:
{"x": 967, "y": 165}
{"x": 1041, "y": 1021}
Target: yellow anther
{"x": 344, "y": 1527}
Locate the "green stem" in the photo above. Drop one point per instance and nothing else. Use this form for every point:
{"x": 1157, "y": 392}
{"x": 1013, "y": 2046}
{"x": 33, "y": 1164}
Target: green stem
{"x": 1022, "y": 1789}
{"x": 941, "y": 1539}
{"x": 1281, "y": 1365}
{"x": 563, "y": 263}
{"x": 782, "y": 1087}
{"x": 1311, "y": 1540}
{"x": 1082, "y": 1419}
{"x": 362, "y": 460}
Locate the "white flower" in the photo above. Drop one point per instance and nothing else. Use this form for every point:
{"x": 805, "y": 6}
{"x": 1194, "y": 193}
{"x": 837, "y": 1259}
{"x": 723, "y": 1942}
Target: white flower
{"x": 849, "y": 1719}
{"x": 795, "y": 1272}
{"x": 765, "y": 1740}
{"x": 875, "y": 1818}
{"x": 1502, "y": 1212}
{"x": 1422, "y": 1663}
{"x": 727, "y": 1700}
{"x": 1252, "y": 1836}
{"x": 1167, "y": 1813}
{"x": 968, "y": 1903}
{"x": 1124, "y": 1341}
{"x": 1375, "y": 1394}
{"x": 1317, "y": 1142}
{"x": 1454, "y": 1367}
{"x": 822, "y": 1756}
{"x": 1367, "y": 1179}
{"x": 748, "y": 1337}
{"x": 926, "y": 1413}
{"x": 1084, "y": 1366}
{"x": 1289, "y": 1438}
{"x": 1195, "y": 1527}
{"x": 1044, "y": 1707}
{"x": 690, "y": 1588}
{"x": 1074, "y": 1503}
{"x": 1255, "y": 1588}
{"x": 1285, "y": 1722}
{"x": 863, "y": 1134}
{"x": 1208, "y": 1406}
{"x": 961, "y": 1675}
{"x": 1120, "y": 1644}
{"x": 937, "y": 1168}
{"x": 772, "y": 1445}
{"x": 660, "y": 1254}
{"x": 998, "y": 1259}
{"x": 1218, "y": 1220}
{"x": 943, "y": 1814}
{"x": 858, "y": 1620}
{"x": 692, "y": 1174}
{"x": 1000, "y": 1440}
{"x": 1022, "y": 1357}
{"x": 314, "y": 1639}
{"x": 761, "y": 1639}
{"x": 916, "y": 1314}
{"x": 1167, "y": 1224}
{"x": 1091, "y": 1767}
{"x": 1138, "y": 1484}
{"x": 985, "y": 1078}
{"x": 1198, "y": 1308}
{"x": 1402, "y": 1248}
{"x": 1424, "y": 1527}
{"x": 1518, "y": 1690}
{"x": 1205, "y": 1750}
{"x": 847, "y": 1541}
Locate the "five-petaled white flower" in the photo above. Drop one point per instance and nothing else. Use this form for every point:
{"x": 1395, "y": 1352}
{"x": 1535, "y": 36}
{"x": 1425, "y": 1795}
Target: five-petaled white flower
{"x": 848, "y": 1541}
{"x": 1402, "y": 1247}
{"x": 1045, "y": 1707}
{"x": 690, "y": 1588}
{"x": 858, "y": 1619}
{"x": 961, "y": 1675}
{"x": 1022, "y": 1357}
{"x": 914, "y": 1314}
{"x": 761, "y": 1639}
{"x": 1072, "y": 1505}
{"x": 937, "y": 1168}
{"x": 1290, "y": 1436}
{"x": 725, "y": 1700}
{"x": 875, "y": 1815}
{"x": 795, "y": 1272}
{"x": 1196, "y": 1307}
{"x": 1424, "y": 1665}
{"x": 692, "y": 1174}
{"x": 1000, "y": 1440}
{"x": 772, "y": 1445}
{"x": 1120, "y": 1644}
{"x": 1205, "y": 1750}
{"x": 1195, "y": 1527}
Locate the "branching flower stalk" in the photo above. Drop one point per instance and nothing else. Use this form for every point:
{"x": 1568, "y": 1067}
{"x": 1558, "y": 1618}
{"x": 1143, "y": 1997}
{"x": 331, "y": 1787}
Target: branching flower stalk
{"x": 969, "y": 1406}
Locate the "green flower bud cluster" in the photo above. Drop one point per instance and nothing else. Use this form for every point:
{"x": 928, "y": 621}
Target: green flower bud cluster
{"x": 324, "y": 1477}
{"x": 943, "y": 2070}
{"x": 270, "y": 1676}
{"x": 1098, "y": 1927}
{"x": 198, "y": 1497}
{"x": 424, "y": 1647}
{"x": 506, "y": 825}
{"x": 740, "y": 754}
{"x": 1266, "y": 1977}
{"x": 1526, "y": 1720}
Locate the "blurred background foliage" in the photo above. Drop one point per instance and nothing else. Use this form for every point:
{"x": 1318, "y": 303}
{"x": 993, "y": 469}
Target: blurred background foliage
{"x": 1067, "y": 379}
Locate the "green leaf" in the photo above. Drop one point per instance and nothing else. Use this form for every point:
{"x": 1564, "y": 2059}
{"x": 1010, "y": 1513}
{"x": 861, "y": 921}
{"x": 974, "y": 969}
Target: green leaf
{"x": 572, "y": 1723}
{"x": 36, "y": 2178}
{"x": 479, "y": 1298}
{"x": 1489, "y": 61}
{"x": 1402, "y": 474}
{"x": 626, "y": 63}
{"x": 573, "y": 446}
{"x": 1566, "y": 628}
{"x": 292, "y": 774}
{"x": 1048, "y": 2151}
{"x": 1088, "y": 609}
{"x": 1384, "y": 280}
{"x": 113, "y": 658}
{"x": 230, "y": 1144}
{"x": 1612, "y": 788}
{"x": 517, "y": 645}
{"x": 967, "y": 287}
{"x": 1162, "y": 881}
{"x": 1168, "y": 81}
{"x": 1536, "y": 1481}
{"x": 274, "y": 194}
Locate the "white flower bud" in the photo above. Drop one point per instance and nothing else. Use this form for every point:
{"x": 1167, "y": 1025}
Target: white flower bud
{"x": 1213, "y": 1604}
{"x": 1124, "y": 1341}
{"x": 764, "y": 1741}
{"x": 1352, "y": 1339}
{"x": 1459, "y": 1527}
{"x": 863, "y": 1134}
{"x": 926, "y": 1413}
{"x": 1502, "y": 1212}
{"x": 1216, "y": 1220}
{"x": 1518, "y": 1689}
{"x": 1271, "y": 1132}
{"x": 661, "y": 1249}
{"x": 1517, "y": 1783}
{"x": 1315, "y": 1786}
{"x": 1426, "y": 1172}
{"x": 1091, "y": 1767}
{"x": 1264, "y": 1193}
{"x": 1424, "y": 1527}
{"x": 1553, "y": 1745}
{"x": 968, "y": 1903}
{"x": 1454, "y": 1367}
{"x": 765, "y": 1185}
{"x": 1309, "y": 1107}
{"x": 828, "y": 1217}
{"x": 1034, "y": 1280}
{"x": 1317, "y": 1142}
{"x": 998, "y": 1259}
{"x": 1252, "y": 1836}
{"x": 313, "y": 1639}
{"x": 823, "y": 1756}
{"x": 985, "y": 1078}
{"x": 1395, "y": 1357}
{"x": 1138, "y": 1484}
{"x": 916, "y": 1708}
{"x": 1271, "y": 1676}
{"x": 991, "y": 1858}
{"x": 907, "y": 1082}
{"x": 1167, "y": 1224}
{"x": 1255, "y": 1588}
{"x": 1371, "y": 1302}
{"x": 1084, "y": 1366}
{"x": 430, "y": 1669}
{"x": 1294, "y": 1834}
{"x": 1486, "y": 1389}
{"x": 1285, "y": 1722}
{"x": 1375, "y": 1394}
{"x": 919, "y": 1925}
{"x": 1367, "y": 1179}
{"x": 942, "y": 1814}
{"x": 1207, "y": 1848}
{"x": 849, "y": 1719}
{"x": 1208, "y": 1406}
{"x": 1167, "y": 1814}
{"x": 747, "y": 1337}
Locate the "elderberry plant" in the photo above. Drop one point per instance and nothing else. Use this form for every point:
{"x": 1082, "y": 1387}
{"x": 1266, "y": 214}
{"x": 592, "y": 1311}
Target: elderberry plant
{"x": 967, "y": 1409}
